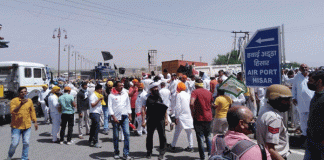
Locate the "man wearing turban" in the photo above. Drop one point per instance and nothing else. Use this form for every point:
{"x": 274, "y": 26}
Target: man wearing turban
{"x": 53, "y": 105}
{"x": 183, "y": 117}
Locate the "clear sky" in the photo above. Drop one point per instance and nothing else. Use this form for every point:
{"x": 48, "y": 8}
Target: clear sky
{"x": 129, "y": 28}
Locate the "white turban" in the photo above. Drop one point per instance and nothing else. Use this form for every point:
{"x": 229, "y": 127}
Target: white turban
{"x": 153, "y": 84}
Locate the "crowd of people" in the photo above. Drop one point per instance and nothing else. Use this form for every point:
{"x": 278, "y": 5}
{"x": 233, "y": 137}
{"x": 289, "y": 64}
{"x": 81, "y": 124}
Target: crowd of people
{"x": 220, "y": 119}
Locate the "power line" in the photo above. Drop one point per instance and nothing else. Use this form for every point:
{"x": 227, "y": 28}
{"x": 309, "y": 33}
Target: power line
{"x": 105, "y": 25}
{"x": 160, "y": 23}
{"x": 148, "y": 18}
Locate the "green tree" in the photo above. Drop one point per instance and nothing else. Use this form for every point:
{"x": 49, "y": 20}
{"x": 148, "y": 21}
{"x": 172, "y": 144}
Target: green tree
{"x": 223, "y": 59}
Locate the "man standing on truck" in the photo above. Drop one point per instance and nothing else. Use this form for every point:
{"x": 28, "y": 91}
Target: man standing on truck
{"x": 22, "y": 112}
{"x": 41, "y": 96}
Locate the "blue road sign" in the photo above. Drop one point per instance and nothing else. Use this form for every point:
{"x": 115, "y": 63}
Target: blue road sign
{"x": 262, "y": 58}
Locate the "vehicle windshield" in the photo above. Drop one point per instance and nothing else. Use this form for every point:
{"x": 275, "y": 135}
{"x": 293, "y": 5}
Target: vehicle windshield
{"x": 5, "y": 70}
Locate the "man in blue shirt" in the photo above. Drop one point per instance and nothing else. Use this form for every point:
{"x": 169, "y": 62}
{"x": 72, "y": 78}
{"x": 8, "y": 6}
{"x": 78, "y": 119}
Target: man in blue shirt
{"x": 67, "y": 105}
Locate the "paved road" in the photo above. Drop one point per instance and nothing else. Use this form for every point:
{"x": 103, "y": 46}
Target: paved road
{"x": 41, "y": 147}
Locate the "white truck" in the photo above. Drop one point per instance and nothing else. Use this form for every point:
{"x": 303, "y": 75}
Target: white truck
{"x": 15, "y": 74}
{"x": 211, "y": 71}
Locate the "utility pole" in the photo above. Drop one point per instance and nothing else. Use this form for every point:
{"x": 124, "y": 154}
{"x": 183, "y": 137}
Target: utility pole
{"x": 182, "y": 56}
{"x": 235, "y": 32}
{"x": 59, "y": 45}
{"x": 200, "y": 58}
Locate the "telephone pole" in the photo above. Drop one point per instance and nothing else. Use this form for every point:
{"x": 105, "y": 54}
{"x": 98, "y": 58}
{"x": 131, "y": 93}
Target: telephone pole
{"x": 235, "y": 32}
{"x": 182, "y": 56}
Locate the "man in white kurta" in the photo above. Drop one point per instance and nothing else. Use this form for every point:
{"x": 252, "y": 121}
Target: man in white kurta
{"x": 41, "y": 96}
{"x": 139, "y": 103}
{"x": 53, "y": 105}
{"x": 183, "y": 117}
{"x": 166, "y": 98}
{"x": 237, "y": 101}
{"x": 147, "y": 82}
{"x": 173, "y": 89}
{"x": 302, "y": 96}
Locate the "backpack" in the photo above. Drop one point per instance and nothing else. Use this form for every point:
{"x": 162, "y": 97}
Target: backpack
{"x": 223, "y": 152}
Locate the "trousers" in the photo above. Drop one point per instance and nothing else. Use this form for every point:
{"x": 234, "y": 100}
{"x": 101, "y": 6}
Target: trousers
{"x": 178, "y": 129}
{"x": 303, "y": 116}
{"x": 140, "y": 129}
{"x": 15, "y": 138}
{"x": 56, "y": 120}
{"x": 95, "y": 126}
{"x": 84, "y": 119}
{"x": 45, "y": 110}
{"x": 159, "y": 125}
{"x": 220, "y": 126}
{"x": 67, "y": 118}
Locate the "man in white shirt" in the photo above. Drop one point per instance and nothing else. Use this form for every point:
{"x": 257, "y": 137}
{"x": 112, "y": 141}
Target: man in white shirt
{"x": 41, "y": 96}
{"x": 191, "y": 82}
{"x": 302, "y": 96}
{"x": 140, "y": 102}
{"x": 222, "y": 75}
{"x": 166, "y": 98}
{"x": 173, "y": 89}
{"x": 120, "y": 110}
{"x": 95, "y": 102}
{"x": 53, "y": 105}
{"x": 147, "y": 82}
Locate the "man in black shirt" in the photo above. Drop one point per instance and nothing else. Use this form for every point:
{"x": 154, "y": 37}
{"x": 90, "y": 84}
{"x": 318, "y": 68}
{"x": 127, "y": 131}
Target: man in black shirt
{"x": 156, "y": 119}
{"x": 83, "y": 109}
{"x": 315, "y": 130}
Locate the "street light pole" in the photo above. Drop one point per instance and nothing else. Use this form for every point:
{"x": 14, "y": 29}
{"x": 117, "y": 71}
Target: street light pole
{"x": 59, "y": 45}
{"x": 69, "y": 46}
{"x": 75, "y": 56}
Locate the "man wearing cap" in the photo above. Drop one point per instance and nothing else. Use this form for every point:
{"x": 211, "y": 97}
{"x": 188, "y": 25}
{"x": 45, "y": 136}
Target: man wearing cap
{"x": 183, "y": 117}
{"x": 139, "y": 104}
{"x": 41, "y": 96}
{"x": 133, "y": 92}
{"x": 53, "y": 105}
{"x": 200, "y": 105}
{"x": 67, "y": 105}
{"x": 120, "y": 111}
{"x": 271, "y": 131}
{"x": 156, "y": 119}
{"x": 106, "y": 93}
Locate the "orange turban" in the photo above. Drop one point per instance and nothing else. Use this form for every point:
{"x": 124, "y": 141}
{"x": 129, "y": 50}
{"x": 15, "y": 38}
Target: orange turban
{"x": 135, "y": 81}
{"x": 184, "y": 77}
{"x": 140, "y": 85}
{"x": 181, "y": 87}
